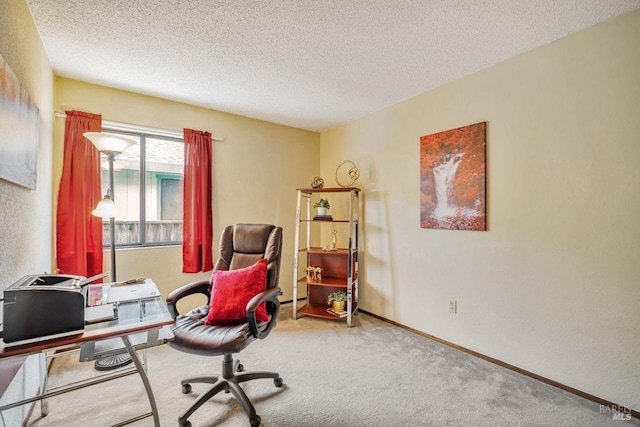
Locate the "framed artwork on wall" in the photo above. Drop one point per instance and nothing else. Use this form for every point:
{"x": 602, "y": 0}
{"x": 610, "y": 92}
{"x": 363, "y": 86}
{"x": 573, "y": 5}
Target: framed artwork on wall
{"x": 453, "y": 179}
{"x": 19, "y": 122}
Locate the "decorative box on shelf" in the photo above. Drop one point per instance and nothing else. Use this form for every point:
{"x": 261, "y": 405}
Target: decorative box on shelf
{"x": 337, "y": 313}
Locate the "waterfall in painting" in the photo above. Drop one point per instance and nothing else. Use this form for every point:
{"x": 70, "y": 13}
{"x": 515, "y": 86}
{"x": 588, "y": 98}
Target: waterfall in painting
{"x": 443, "y": 176}
{"x": 446, "y": 212}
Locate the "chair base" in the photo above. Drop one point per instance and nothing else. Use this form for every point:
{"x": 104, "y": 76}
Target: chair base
{"x": 232, "y": 376}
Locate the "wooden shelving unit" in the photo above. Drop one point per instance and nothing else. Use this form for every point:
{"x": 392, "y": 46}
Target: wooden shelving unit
{"x": 339, "y": 268}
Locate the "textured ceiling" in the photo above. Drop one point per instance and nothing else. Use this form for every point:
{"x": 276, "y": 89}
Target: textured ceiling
{"x": 311, "y": 64}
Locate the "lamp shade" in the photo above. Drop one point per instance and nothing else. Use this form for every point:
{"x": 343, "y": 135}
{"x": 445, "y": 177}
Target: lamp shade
{"x": 110, "y": 143}
{"x": 105, "y": 209}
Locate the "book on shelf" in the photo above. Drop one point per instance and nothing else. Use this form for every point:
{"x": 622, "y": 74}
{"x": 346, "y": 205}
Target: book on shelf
{"x": 337, "y": 313}
{"x": 322, "y": 218}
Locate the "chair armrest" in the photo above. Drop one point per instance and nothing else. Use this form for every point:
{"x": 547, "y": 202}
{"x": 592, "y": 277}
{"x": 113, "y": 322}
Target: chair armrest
{"x": 270, "y": 296}
{"x": 199, "y": 287}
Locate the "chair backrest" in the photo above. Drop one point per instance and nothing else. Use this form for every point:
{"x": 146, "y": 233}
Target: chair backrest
{"x": 242, "y": 245}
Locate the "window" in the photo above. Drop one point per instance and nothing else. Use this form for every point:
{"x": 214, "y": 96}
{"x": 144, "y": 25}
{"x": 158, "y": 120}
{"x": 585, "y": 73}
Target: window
{"x": 170, "y": 197}
{"x": 148, "y": 186}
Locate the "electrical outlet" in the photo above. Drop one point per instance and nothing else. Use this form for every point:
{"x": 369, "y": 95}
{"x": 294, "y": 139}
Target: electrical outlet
{"x": 453, "y": 306}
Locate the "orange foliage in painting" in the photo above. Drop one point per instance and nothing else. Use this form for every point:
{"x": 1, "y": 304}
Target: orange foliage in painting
{"x": 469, "y": 183}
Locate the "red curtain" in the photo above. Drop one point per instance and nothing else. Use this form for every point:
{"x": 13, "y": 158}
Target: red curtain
{"x": 78, "y": 233}
{"x": 198, "y": 230}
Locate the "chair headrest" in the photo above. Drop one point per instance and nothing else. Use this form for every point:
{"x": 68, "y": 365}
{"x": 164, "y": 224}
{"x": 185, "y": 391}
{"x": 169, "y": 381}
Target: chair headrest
{"x": 251, "y": 238}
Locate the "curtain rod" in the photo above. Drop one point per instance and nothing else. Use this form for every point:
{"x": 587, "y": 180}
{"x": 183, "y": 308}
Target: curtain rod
{"x": 136, "y": 128}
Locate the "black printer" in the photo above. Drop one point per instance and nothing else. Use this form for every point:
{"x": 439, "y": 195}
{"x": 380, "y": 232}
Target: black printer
{"x": 39, "y": 306}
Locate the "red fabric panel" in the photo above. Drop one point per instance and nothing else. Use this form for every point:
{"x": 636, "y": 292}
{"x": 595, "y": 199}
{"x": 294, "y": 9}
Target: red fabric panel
{"x": 232, "y": 290}
{"x": 197, "y": 229}
{"x": 78, "y": 233}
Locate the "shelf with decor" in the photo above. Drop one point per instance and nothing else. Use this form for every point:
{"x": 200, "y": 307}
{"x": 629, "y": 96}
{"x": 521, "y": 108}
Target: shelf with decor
{"x": 338, "y": 261}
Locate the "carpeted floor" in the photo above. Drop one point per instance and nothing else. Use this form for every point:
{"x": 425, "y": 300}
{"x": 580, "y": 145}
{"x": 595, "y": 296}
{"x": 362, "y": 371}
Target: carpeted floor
{"x": 373, "y": 374}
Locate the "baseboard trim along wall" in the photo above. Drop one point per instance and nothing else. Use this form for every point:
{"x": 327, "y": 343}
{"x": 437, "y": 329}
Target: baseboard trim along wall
{"x": 621, "y": 408}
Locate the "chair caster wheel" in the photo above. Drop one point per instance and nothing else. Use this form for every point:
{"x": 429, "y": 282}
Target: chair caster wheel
{"x": 277, "y": 382}
{"x": 240, "y": 367}
{"x": 185, "y": 424}
{"x": 186, "y": 388}
{"x": 255, "y": 421}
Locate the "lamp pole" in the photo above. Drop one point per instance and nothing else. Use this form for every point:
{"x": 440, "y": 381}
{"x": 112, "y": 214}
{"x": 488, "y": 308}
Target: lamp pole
{"x": 112, "y": 221}
{"x": 110, "y": 145}
{"x": 117, "y": 360}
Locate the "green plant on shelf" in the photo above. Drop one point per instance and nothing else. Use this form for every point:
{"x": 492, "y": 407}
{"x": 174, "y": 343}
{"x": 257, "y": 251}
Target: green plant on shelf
{"x": 322, "y": 203}
{"x": 336, "y": 296}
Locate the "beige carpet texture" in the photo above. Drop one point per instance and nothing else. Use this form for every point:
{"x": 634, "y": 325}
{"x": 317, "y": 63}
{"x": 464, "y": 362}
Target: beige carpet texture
{"x": 373, "y": 374}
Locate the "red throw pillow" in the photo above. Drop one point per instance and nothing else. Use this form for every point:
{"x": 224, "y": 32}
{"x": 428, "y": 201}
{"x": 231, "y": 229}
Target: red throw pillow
{"x": 232, "y": 290}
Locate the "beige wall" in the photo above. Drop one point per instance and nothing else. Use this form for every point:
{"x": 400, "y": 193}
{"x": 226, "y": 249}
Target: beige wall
{"x": 553, "y": 286}
{"x": 25, "y": 215}
{"x": 255, "y": 173}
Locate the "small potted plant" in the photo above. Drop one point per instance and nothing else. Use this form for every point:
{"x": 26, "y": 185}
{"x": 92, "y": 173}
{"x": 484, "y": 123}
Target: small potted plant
{"x": 323, "y": 206}
{"x": 337, "y": 300}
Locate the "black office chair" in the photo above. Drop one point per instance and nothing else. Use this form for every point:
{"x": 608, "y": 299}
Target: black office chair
{"x": 241, "y": 245}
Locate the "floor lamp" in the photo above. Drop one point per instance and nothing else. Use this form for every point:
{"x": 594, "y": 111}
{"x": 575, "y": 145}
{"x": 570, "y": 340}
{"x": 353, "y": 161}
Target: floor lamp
{"x": 111, "y": 145}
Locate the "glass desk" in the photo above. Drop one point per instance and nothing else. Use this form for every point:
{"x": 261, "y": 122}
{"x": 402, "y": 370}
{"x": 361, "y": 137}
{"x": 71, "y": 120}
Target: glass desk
{"x": 139, "y": 324}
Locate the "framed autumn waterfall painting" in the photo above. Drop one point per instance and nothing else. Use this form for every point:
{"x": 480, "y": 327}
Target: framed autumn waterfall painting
{"x": 453, "y": 179}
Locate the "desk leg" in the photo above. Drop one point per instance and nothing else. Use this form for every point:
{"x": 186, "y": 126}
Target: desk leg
{"x": 145, "y": 380}
{"x": 44, "y": 371}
